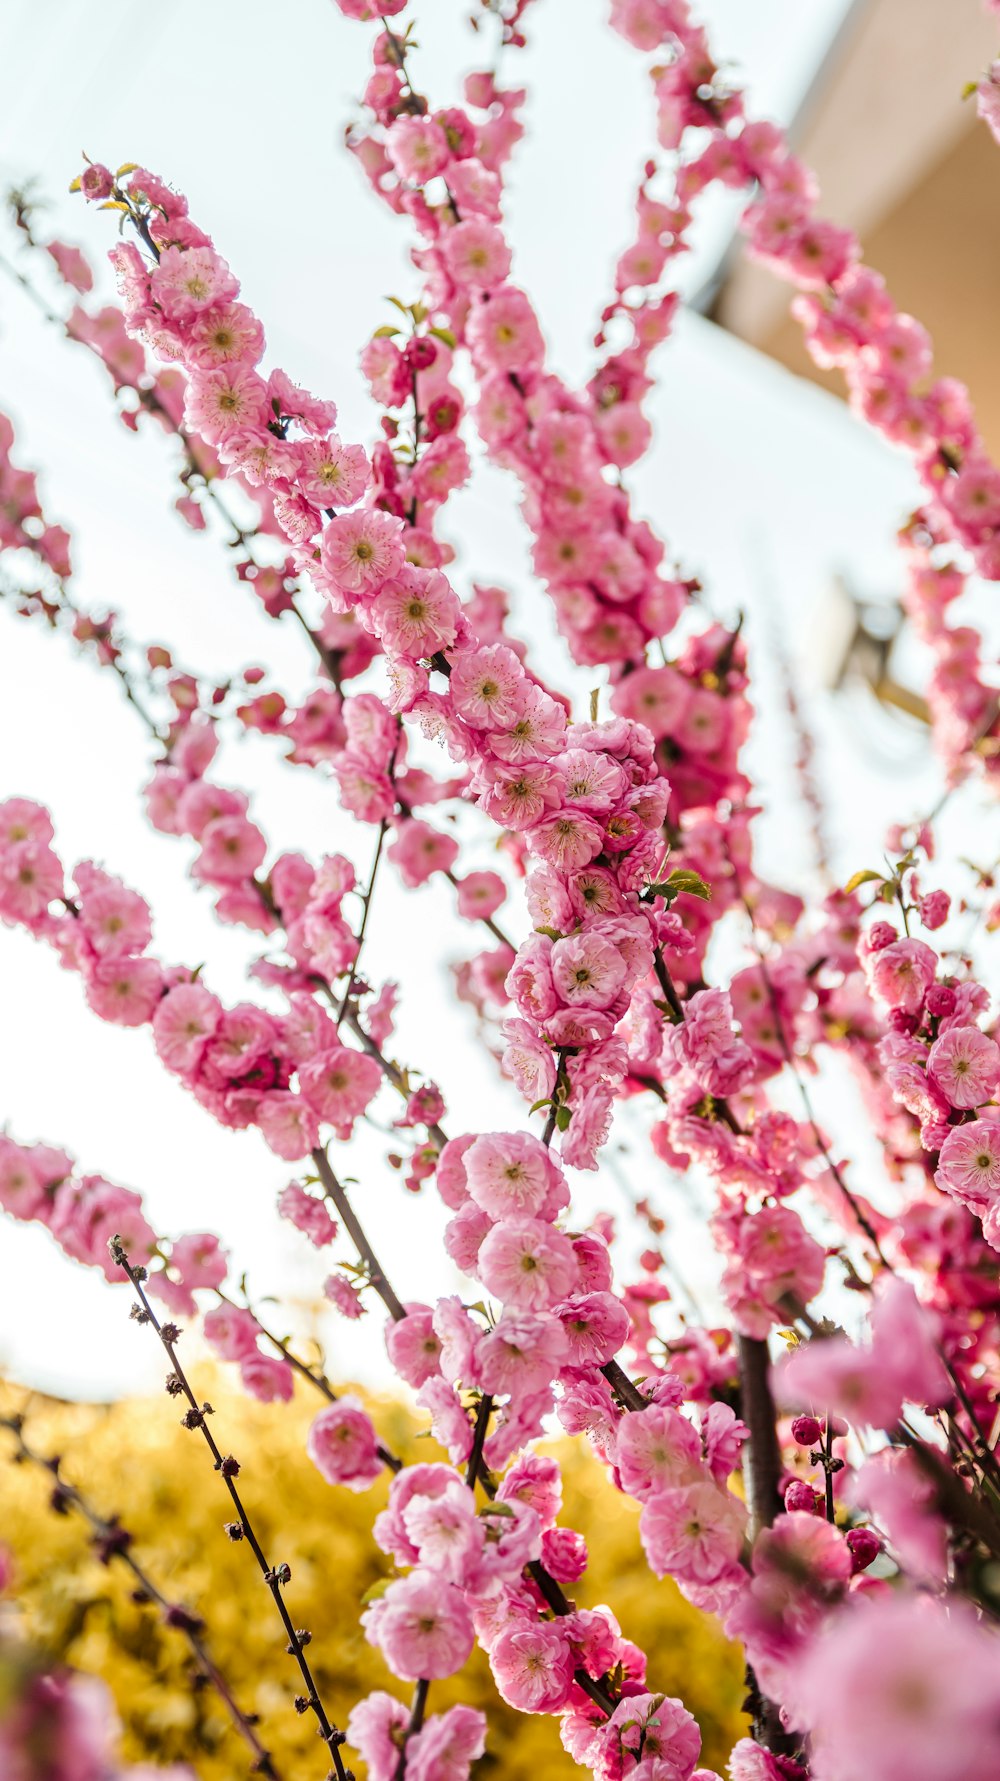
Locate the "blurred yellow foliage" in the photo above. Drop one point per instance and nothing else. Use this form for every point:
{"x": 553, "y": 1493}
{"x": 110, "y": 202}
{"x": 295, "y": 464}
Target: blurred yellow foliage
{"x": 133, "y": 1458}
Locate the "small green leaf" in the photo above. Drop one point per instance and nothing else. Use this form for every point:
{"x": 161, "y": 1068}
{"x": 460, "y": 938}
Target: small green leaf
{"x": 126, "y": 167}
{"x": 445, "y": 335}
{"x": 385, "y": 333}
{"x": 863, "y": 877}
{"x": 563, "y": 1117}
{"x": 377, "y": 1589}
{"x": 544, "y": 1102}
{"x": 396, "y": 304}
{"x": 690, "y": 882}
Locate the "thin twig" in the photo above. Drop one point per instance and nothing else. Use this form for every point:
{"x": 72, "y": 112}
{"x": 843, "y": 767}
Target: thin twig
{"x": 275, "y": 1577}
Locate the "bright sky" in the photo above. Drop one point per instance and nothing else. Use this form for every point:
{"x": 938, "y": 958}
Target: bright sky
{"x": 765, "y": 486}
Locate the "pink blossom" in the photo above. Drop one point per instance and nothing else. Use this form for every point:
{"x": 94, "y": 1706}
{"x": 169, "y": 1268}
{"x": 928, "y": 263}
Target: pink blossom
{"x": 658, "y": 1449}
{"x": 526, "y": 1263}
{"x": 965, "y": 1065}
{"x": 362, "y": 550}
{"x": 511, "y": 1173}
{"x": 422, "y": 1626}
{"x": 308, "y": 1214}
{"x": 342, "y": 1445}
{"x": 694, "y": 1533}
{"x": 901, "y": 973}
{"x": 533, "y": 1667}
{"x": 288, "y": 1123}
{"x": 969, "y": 1163}
{"x": 377, "y": 1723}
{"x": 485, "y": 684}
{"x": 903, "y": 1687}
{"x": 587, "y": 970}
{"x": 564, "y": 1554}
{"x": 418, "y": 148}
{"x": 650, "y": 1735}
{"x": 183, "y": 1024}
{"x": 339, "y": 1083}
{"x": 479, "y": 895}
{"x": 596, "y": 1327}
{"x": 446, "y": 1745}
{"x": 420, "y": 850}
{"x": 267, "y": 1378}
{"x": 521, "y": 1354}
{"x": 186, "y": 281}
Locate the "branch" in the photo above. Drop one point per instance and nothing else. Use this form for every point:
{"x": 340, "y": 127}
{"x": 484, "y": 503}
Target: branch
{"x": 274, "y": 1576}
{"x": 112, "y": 1541}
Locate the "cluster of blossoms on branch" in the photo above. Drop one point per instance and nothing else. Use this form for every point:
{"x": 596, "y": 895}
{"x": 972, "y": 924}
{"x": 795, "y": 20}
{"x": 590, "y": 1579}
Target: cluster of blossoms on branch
{"x": 632, "y": 835}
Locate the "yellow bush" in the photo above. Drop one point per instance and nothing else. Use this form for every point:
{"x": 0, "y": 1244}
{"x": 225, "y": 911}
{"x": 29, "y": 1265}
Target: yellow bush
{"x": 133, "y": 1458}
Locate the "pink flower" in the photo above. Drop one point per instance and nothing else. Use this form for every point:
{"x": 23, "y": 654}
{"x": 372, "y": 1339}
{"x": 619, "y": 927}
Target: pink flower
{"x": 446, "y": 1746}
{"x": 267, "y": 1378}
{"x": 186, "y": 281}
{"x": 512, "y": 1173}
{"x": 533, "y": 1667}
{"x": 903, "y": 1687}
{"x": 521, "y": 1354}
{"x": 420, "y": 850}
{"x": 658, "y": 1449}
{"x": 965, "y": 1065}
{"x": 650, "y": 1735}
{"x": 901, "y": 973}
{"x": 587, "y": 970}
{"x": 564, "y": 1554}
{"x": 418, "y": 148}
{"x": 417, "y": 614}
{"x": 476, "y": 254}
{"x": 694, "y": 1533}
{"x": 596, "y": 1327}
{"x": 126, "y": 992}
{"x": 485, "y": 684}
{"x": 969, "y": 1163}
{"x": 528, "y": 1061}
{"x": 480, "y": 895}
{"x": 422, "y": 1626}
{"x": 362, "y": 550}
{"x": 414, "y": 1346}
{"x": 376, "y": 1725}
{"x": 343, "y": 1446}
{"x": 31, "y": 878}
{"x": 231, "y": 399}
{"x": 339, "y": 1083}
{"x": 504, "y": 334}
{"x": 307, "y": 1214}
{"x": 183, "y": 1023}
{"x": 526, "y": 1263}
{"x": 231, "y": 1331}
{"x": 226, "y": 335}
{"x": 199, "y": 1259}
{"x": 231, "y": 849}
{"x": 73, "y": 267}
{"x": 568, "y": 840}
{"x": 288, "y": 1123}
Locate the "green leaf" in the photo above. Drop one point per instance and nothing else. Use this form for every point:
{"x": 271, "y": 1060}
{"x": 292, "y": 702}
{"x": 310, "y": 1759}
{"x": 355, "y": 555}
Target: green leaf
{"x": 385, "y": 333}
{"x": 503, "y": 1509}
{"x": 863, "y": 877}
{"x": 544, "y": 1102}
{"x": 126, "y": 167}
{"x": 396, "y": 304}
{"x": 445, "y": 335}
{"x": 562, "y": 1118}
{"x": 377, "y": 1589}
{"x": 690, "y": 882}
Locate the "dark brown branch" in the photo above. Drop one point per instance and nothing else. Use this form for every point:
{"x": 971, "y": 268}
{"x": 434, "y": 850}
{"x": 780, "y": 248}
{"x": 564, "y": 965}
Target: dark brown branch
{"x": 275, "y": 1577}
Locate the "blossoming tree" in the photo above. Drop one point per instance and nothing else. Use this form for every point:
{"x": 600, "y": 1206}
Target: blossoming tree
{"x": 833, "y": 1498}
